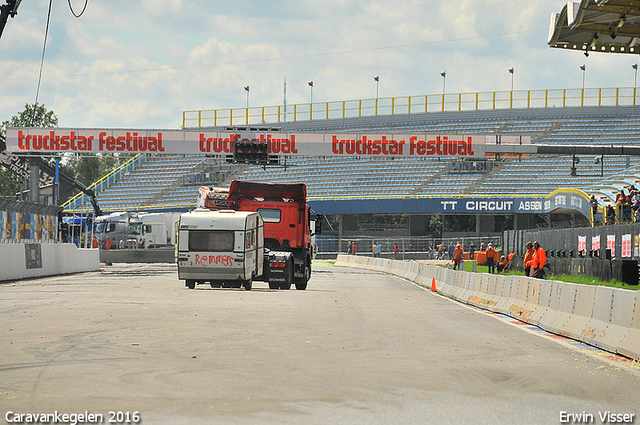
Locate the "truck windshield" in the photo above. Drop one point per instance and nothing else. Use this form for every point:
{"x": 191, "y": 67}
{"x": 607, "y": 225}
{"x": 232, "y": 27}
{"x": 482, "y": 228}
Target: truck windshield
{"x": 270, "y": 215}
{"x": 135, "y": 229}
{"x": 211, "y": 241}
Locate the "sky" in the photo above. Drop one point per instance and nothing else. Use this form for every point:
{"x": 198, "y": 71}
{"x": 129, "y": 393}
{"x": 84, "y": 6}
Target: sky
{"x": 139, "y": 64}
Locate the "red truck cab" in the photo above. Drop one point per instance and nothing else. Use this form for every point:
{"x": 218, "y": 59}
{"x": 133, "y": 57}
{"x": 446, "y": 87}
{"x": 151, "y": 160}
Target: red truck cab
{"x": 287, "y": 220}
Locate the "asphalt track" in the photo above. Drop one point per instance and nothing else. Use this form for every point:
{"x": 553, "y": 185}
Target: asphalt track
{"x": 357, "y": 347}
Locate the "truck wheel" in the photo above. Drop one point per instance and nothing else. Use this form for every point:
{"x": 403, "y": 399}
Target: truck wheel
{"x": 274, "y": 285}
{"x": 191, "y": 284}
{"x": 216, "y": 284}
{"x": 301, "y": 284}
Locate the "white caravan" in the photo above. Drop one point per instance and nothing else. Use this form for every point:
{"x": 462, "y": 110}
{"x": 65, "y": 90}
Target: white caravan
{"x": 223, "y": 248}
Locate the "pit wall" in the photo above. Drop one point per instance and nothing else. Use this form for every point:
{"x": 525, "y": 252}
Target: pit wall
{"x": 21, "y": 261}
{"x": 608, "y": 318}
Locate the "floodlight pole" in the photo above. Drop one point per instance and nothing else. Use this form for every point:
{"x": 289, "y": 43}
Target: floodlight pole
{"x": 635, "y": 80}
{"x": 444, "y": 84}
{"x": 583, "y": 67}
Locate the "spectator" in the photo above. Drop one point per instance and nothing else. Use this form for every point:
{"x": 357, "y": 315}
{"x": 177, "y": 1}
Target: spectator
{"x": 502, "y": 264}
{"x": 621, "y": 199}
{"x": 121, "y": 244}
{"x": 472, "y": 251}
{"x": 349, "y": 248}
{"x": 538, "y": 261}
{"x": 457, "y": 256}
{"x": 452, "y": 248}
{"x": 593, "y": 202}
{"x": 353, "y": 248}
{"x": 611, "y": 215}
{"x": 490, "y": 252}
{"x": 374, "y": 249}
{"x": 528, "y": 257}
{"x": 635, "y": 202}
{"x": 510, "y": 258}
{"x": 395, "y": 250}
{"x": 379, "y": 249}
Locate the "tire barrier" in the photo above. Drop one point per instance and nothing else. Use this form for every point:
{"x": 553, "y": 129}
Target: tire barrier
{"x": 607, "y": 318}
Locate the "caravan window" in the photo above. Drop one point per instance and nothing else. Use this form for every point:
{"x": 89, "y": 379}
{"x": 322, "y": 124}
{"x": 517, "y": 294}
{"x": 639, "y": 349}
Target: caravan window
{"x": 211, "y": 241}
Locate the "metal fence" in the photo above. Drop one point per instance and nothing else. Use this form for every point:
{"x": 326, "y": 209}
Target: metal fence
{"x": 621, "y": 239}
{"x": 615, "y": 96}
{"x": 25, "y": 222}
{"x": 415, "y": 247}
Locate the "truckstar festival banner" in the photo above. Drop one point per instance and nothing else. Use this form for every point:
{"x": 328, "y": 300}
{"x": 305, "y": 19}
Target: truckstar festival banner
{"x": 49, "y": 140}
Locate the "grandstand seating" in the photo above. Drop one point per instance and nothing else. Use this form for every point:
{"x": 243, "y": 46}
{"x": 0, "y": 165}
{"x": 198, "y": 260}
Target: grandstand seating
{"x": 161, "y": 181}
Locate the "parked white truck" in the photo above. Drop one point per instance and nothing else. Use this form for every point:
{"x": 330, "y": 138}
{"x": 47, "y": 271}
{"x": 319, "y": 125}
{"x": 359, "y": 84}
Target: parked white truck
{"x": 223, "y": 248}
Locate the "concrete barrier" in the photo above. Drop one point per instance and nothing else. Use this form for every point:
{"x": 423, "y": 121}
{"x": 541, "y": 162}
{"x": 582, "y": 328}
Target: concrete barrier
{"x": 22, "y": 261}
{"x": 630, "y": 343}
{"x": 608, "y": 318}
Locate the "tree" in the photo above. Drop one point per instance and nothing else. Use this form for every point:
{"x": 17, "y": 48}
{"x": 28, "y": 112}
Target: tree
{"x": 32, "y": 116}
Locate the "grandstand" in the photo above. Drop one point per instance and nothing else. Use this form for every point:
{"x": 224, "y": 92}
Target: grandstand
{"x": 170, "y": 182}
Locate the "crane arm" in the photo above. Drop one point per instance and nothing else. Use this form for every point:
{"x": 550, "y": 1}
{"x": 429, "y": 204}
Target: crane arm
{"x": 10, "y": 9}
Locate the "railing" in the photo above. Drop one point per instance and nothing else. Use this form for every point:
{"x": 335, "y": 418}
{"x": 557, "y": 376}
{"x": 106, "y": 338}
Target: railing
{"x": 619, "y": 96}
{"x": 78, "y": 201}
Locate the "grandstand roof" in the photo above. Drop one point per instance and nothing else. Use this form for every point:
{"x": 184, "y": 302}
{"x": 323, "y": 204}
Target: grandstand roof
{"x": 609, "y": 26}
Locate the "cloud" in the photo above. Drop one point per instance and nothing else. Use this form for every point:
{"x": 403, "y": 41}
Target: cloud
{"x": 142, "y": 63}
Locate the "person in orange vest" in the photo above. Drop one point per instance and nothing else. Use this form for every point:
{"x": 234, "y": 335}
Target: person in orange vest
{"x": 491, "y": 253}
{"x": 395, "y": 250}
{"x": 503, "y": 264}
{"x": 528, "y": 256}
{"x": 108, "y": 244}
{"x": 457, "y": 256}
{"x": 538, "y": 261}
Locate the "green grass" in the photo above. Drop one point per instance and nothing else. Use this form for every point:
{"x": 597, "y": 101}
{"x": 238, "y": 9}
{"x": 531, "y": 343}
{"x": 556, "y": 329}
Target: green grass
{"x": 583, "y": 280}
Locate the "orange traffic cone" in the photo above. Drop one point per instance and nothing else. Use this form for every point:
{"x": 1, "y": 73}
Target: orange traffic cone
{"x": 433, "y": 284}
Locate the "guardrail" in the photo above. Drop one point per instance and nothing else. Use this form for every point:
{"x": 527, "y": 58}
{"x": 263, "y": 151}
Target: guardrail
{"x": 616, "y": 96}
{"x": 608, "y": 318}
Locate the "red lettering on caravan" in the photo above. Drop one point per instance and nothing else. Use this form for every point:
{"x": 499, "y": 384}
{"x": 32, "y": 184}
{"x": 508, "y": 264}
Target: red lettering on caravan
{"x": 470, "y": 147}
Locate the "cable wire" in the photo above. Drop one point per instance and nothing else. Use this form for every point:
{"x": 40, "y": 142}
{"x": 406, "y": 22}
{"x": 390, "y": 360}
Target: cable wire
{"x": 44, "y": 48}
{"x": 83, "y": 9}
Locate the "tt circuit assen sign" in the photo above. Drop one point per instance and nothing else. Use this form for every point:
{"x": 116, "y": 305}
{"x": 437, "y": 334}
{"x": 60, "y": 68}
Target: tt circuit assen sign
{"x": 571, "y": 200}
{"x": 49, "y": 140}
